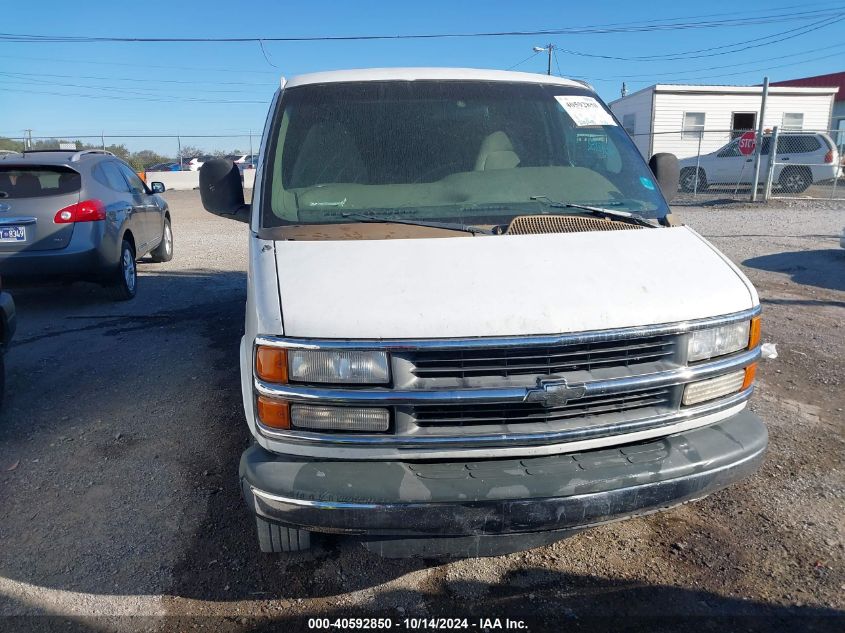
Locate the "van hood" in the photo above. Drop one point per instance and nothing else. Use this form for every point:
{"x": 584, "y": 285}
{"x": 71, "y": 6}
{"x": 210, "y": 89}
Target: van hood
{"x": 507, "y": 285}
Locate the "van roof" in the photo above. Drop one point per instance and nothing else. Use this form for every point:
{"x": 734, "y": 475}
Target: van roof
{"x": 412, "y": 74}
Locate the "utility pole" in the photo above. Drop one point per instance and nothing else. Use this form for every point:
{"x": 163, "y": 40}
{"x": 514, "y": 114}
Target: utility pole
{"x": 759, "y": 146}
{"x": 27, "y": 141}
{"x": 549, "y": 48}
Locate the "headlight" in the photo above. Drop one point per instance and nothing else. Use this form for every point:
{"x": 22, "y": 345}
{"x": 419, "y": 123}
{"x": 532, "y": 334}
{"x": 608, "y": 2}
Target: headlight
{"x": 320, "y": 418}
{"x": 719, "y": 386}
{"x": 711, "y": 388}
{"x": 718, "y": 341}
{"x": 319, "y": 366}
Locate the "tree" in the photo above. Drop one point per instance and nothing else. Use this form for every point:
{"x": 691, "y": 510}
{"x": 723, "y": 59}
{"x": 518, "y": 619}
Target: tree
{"x": 10, "y": 144}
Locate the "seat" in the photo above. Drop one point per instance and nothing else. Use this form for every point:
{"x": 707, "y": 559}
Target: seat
{"x": 328, "y": 154}
{"x": 27, "y": 185}
{"x": 68, "y": 183}
{"x": 496, "y": 152}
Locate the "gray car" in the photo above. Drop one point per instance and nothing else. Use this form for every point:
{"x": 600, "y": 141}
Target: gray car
{"x": 79, "y": 215}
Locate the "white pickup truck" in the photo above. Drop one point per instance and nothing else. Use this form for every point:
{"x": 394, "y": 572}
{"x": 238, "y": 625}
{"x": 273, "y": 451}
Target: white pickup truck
{"x": 472, "y": 324}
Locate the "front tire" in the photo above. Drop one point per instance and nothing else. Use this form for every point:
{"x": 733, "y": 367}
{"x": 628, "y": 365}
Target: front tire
{"x": 164, "y": 251}
{"x": 688, "y": 178}
{"x": 124, "y": 285}
{"x": 276, "y": 539}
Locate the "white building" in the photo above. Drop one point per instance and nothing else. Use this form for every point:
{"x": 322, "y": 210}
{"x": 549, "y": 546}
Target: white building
{"x": 670, "y": 118}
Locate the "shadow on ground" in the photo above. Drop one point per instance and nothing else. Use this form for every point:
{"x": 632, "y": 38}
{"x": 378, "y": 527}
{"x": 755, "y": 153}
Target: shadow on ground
{"x": 149, "y": 501}
{"x": 821, "y": 268}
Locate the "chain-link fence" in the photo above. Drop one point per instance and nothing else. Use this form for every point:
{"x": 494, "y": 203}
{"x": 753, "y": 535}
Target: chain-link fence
{"x": 714, "y": 164}
{"x": 142, "y": 151}
{"x": 723, "y": 164}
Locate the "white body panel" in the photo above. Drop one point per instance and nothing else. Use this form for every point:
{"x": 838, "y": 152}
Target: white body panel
{"x": 477, "y": 286}
{"x": 503, "y": 285}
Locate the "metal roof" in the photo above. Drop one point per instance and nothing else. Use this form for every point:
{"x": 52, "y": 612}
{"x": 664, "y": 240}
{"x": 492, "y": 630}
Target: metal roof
{"x": 831, "y": 79}
{"x": 735, "y": 90}
{"x": 412, "y": 74}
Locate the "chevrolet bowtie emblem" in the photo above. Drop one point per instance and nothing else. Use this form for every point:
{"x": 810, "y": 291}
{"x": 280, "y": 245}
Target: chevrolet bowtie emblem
{"x": 555, "y": 392}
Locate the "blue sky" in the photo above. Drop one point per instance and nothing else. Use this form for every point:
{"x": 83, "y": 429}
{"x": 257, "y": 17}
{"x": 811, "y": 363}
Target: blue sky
{"x": 216, "y": 88}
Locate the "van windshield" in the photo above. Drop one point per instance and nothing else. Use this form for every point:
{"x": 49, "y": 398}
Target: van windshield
{"x": 459, "y": 151}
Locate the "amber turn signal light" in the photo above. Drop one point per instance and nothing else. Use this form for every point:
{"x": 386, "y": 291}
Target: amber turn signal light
{"x": 271, "y": 364}
{"x": 273, "y": 413}
{"x": 754, "y": 335}
{"x": 750, "y": 373}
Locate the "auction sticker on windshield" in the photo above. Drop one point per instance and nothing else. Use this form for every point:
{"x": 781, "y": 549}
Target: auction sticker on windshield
{"x": 585, "y": 110}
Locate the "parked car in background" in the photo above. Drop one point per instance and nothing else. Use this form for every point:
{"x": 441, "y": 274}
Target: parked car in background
{"x": 447, "y": 350}
{"x": 8, "y": 322}
{"x": 194, "y": 164}
{"x": 803, "y": 158}
{"x": 170, "y": 166}
{"x": 80, "y": 215}
{"x": 243, "y": 161}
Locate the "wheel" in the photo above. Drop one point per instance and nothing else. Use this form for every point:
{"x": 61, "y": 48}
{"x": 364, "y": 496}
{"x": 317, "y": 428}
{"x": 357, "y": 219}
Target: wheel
{"x": 275, "y": 539}
{"x": 124, "y": 285}
{"x": 164, "y": 251}
{"x": 795, "y": 180}
{"x": 688, "y": 179}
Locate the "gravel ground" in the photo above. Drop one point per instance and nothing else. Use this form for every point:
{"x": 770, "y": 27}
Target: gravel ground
{"x": 122, "y": 429}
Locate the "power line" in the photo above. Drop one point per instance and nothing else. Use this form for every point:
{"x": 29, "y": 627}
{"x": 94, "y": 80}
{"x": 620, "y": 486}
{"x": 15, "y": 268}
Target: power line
{"x": 135, "y": 79}
{"x": 676, "y": 78}
{"x": 736, "y": 46}
{"x": 530, "y": 57}
{"x": 634, "y": 27}
{"x": 752, "y": 70}
{"x": 674, "y": 73}
{"x": 137, "y": 99}
{"x": 137, "y": 90}
{"x": 135, "y": 65}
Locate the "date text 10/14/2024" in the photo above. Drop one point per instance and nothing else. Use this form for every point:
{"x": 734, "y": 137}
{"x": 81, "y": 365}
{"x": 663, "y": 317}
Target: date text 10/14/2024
{"x": 417, "y": 624}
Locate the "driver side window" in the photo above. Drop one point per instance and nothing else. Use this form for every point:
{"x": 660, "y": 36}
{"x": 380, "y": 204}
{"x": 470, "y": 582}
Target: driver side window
{"x": 732, "y": 149}
{"x": 135, "y": 183}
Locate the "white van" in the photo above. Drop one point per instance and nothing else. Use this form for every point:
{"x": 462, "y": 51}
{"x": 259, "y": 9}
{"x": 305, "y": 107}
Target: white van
{"x": 472, "y": 325}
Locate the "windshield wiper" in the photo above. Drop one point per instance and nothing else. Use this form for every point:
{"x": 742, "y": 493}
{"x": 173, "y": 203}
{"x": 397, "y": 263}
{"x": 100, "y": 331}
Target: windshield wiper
{"x": 624, "y": 216}
{"x": 450, "y": 226}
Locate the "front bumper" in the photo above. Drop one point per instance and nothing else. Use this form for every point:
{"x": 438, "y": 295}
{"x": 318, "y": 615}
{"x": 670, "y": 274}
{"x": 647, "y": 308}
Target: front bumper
{"x": 501, "y": 496}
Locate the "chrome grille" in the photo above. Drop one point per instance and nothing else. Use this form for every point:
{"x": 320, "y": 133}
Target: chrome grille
{"x": 539, "y": 360}
{"x": 599, "y": 407}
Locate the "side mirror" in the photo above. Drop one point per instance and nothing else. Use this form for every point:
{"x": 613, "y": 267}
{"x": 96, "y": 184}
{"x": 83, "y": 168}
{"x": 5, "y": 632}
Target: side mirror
{"x": 221, "y": 190}
{"x": 157, "y": 187}
{"x": 665, "y": 168}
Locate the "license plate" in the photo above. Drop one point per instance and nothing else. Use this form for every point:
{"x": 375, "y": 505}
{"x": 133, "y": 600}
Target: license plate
{"x": 12, "y": 234}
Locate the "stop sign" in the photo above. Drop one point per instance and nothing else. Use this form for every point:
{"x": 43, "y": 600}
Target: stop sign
{"x": 747, "y": 143}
